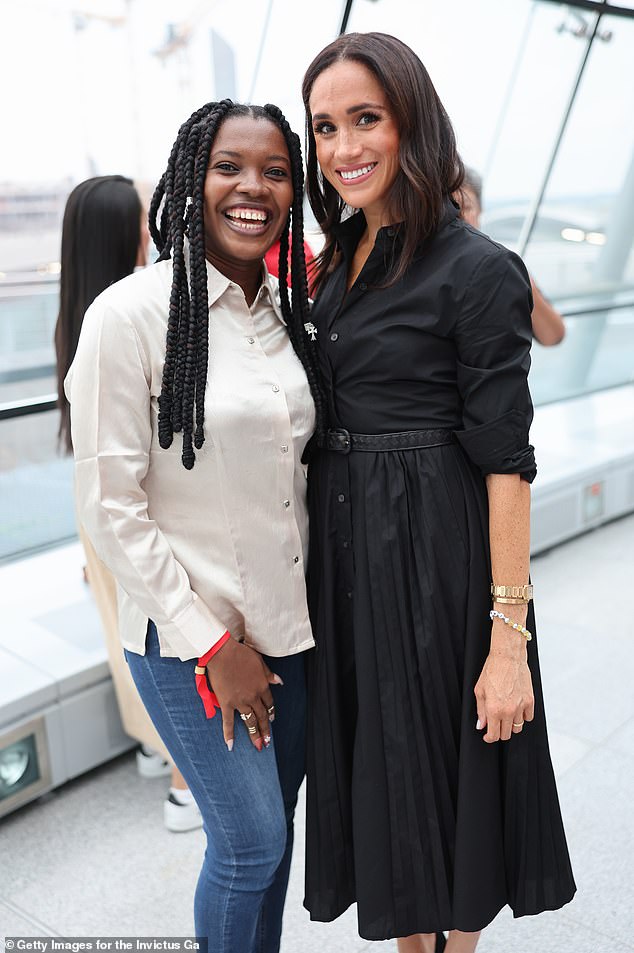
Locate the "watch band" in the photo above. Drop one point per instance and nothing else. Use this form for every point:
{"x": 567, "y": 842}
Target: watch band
{"x": 521, "y": 593}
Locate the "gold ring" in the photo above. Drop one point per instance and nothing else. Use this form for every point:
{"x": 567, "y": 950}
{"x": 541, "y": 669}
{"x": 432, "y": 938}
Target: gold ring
{"x": 521, "y": 725}
{"x": 252, "y": 729}
{"x": 246, "y": 717}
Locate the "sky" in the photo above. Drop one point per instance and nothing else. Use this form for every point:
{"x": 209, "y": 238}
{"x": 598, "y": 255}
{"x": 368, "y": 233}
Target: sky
{"x": 88, "y": 94}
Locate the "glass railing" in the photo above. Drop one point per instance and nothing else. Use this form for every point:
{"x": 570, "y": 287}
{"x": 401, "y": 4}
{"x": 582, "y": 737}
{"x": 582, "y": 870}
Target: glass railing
{"x": 36, "y": 498}
{"x": 597, "y": 352}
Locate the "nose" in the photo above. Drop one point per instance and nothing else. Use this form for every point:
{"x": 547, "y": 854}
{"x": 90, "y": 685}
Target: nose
{"x": 349, "y": 146}
{"x": 252, "y": 182}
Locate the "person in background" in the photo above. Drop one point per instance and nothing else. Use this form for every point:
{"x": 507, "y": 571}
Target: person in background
{"x": 548, "y": 324}
{"x": 104, "y": 238}
{"x": 194, "y": 393}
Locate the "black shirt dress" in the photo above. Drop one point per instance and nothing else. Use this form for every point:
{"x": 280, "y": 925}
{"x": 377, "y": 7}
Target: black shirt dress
{"x": 410, "y": 813}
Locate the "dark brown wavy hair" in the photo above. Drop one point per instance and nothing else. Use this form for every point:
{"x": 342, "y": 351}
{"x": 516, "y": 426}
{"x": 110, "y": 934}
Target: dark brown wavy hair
{"x": 431, "y": 169}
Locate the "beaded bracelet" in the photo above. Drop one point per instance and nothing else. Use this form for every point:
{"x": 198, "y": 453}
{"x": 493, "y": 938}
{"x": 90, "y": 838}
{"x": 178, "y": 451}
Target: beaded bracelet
{"x": 514, "y": 625}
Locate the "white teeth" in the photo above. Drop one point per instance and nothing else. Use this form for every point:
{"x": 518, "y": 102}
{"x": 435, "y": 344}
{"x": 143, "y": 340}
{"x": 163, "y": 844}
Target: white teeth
{"x": 247, "y": 214}
{"x": 247, "y": 226}
{"x": 355, "y": 173}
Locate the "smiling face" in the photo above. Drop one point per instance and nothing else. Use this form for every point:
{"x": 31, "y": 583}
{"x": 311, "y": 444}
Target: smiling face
{"x": 356, "y": 137}
{"x": 248, "y": 194}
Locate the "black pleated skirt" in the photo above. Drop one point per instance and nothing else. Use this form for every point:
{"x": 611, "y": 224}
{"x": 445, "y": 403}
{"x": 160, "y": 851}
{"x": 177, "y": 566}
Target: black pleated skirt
{"x": 410, "y": 813}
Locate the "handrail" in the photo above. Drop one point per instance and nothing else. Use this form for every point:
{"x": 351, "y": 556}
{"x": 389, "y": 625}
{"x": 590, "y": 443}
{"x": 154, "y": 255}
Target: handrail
{"x": 47, "y": 402}
{"x": 32, "y": 405}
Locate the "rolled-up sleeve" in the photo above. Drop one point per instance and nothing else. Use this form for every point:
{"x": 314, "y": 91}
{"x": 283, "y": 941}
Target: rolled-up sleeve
{"x": 493, "y": 339}
{"x": 108, "y": 387}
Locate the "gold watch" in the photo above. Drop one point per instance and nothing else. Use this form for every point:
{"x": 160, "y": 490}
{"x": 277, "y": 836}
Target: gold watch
{"x": 512, "y": 595}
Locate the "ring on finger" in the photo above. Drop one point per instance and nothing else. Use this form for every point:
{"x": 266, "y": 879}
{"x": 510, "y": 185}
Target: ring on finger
{"x": 252, "y": 729}
{"x": 271, "y": 710}
{"x": 520, "y": 725}
{"x": 245, "y": 717}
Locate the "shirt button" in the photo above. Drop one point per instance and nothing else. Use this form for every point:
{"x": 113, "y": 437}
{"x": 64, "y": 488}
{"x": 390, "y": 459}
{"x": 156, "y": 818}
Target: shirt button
{"x": 334, "y": 336}
{"x": 287, "y": 503}
{"x": 349, "y": 593}
{"x": 363, "y": 286}
{"x": 284, "y": 448}
{"x": 295, "y": 559}
{"x": 275, "y": 389}
{"x": 251, "y": 340}
{"x": 341, "y": 498}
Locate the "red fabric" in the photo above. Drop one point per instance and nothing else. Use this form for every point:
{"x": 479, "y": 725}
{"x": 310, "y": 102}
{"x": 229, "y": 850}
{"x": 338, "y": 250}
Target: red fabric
{"x": 208, "y": 697}
{"x": 272, "y": 259}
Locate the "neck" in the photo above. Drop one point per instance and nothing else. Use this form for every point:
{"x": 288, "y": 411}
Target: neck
{"x": 247, "y": 274}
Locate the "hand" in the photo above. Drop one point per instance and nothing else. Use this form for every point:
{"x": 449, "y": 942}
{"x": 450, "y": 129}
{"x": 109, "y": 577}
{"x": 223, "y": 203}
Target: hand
{"x": 504, "y": 691}
{"x": 240, "y": 679}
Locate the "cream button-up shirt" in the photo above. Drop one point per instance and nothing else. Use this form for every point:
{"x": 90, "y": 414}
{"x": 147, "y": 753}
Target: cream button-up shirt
{"x": 222, "y": 546}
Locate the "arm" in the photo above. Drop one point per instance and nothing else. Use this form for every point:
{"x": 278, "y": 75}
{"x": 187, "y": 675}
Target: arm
{"x": 548, "y": 324}
{"x": 493, "y": 338}
{"x": 109, "y": 391}
{"x": 504, "y": 691}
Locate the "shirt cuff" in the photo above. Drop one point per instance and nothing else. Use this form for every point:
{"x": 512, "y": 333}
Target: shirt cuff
{"x": 208, "y": 698}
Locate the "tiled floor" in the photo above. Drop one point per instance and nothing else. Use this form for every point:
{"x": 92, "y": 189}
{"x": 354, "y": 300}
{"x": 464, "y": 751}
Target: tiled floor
{"x": 93, "y": 858}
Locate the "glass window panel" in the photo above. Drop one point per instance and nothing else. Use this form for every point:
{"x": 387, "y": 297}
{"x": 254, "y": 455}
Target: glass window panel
{"x": 36, "y": 486}
{"x": 590, "y": 194}
{"x": 536, "y": 97}
{"x": 597, "y": 352}
{"x": 28, "y": 312}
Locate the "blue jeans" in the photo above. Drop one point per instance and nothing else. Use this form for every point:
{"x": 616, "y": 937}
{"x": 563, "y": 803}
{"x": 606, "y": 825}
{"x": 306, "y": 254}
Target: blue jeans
{"x": 247, "y": 798}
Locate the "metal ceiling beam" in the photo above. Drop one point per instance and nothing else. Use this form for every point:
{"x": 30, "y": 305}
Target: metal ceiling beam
{"x": 346, "y": 16}
{"x": 596, "y": 6}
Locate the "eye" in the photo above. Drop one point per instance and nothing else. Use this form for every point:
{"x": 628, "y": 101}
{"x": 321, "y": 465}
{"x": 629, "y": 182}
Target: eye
{"x": 368, "y": 119}
{"x": 323, "y": 128}
{"x": 225, "y": 167}
{"x": 277, "y": 173}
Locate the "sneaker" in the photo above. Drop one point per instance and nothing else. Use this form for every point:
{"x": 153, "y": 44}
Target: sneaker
{"x": 150, "y": 764}
{"x": 179, "y": 817}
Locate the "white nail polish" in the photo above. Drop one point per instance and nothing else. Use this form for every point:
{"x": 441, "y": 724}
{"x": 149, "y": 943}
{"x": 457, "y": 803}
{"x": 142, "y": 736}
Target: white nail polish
{"x": 478, "y": 725}
{"x": 230, "y": 744}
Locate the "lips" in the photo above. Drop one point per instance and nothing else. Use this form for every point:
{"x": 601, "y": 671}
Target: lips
{"x": 248, "y": 218}
{"x": 358, "y": 173}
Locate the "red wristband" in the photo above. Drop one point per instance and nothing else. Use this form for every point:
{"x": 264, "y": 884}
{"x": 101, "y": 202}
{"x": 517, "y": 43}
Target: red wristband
{"x": 209, "y": 699}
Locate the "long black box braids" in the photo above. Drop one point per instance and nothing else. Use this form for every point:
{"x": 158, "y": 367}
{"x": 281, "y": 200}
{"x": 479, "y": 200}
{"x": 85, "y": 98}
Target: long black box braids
{"x": 179, "y": 197}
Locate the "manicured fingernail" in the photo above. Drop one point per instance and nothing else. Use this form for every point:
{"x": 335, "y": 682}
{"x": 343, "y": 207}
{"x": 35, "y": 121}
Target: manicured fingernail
{"x": 230, "y": 744}
{"x": 267, "y": 740}
{"x": 478, "y": 725}
{"x": 258, "y": 744}
{"x": 276, "y": 680}
{"x": 272, "y": 717}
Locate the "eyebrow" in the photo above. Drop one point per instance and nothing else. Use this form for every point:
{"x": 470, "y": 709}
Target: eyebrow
{"x": 352, "y": 109}
{"x": 239, "y": 155}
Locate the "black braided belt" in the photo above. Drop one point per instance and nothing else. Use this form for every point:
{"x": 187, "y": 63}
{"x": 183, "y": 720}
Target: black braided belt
{"x": 342, "y": 441}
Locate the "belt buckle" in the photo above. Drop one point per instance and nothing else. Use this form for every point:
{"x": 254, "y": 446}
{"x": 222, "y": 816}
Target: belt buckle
{"x": 342, "y": 439}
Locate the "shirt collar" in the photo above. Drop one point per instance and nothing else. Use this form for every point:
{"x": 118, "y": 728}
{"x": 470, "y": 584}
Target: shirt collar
{"x": 351, "y": 229}
{"x": 217, "y": 285}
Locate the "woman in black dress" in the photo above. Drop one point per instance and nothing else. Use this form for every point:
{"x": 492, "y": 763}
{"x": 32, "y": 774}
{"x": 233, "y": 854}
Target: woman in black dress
{"x": 420, "y": 497}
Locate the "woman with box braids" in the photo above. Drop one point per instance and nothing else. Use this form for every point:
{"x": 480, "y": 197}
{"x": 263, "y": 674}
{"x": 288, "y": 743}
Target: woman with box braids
{"x": 181, "y": 192}
{"x": 210, "y": 559}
